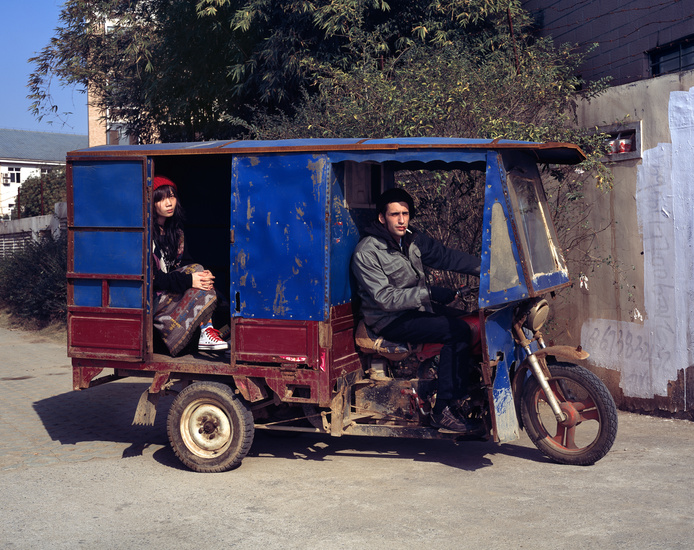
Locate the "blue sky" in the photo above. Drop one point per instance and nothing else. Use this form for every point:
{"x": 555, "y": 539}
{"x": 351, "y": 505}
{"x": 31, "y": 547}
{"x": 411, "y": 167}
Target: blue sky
{"x": 26, "y": 28}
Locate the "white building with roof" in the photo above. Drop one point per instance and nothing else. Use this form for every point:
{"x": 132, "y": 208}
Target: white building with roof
{"x": 24, "y": 154}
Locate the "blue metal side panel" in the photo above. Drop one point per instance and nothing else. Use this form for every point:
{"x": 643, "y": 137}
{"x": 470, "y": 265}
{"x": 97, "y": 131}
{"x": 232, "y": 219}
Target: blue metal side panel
{"x": 501, "y": 347}
{"x": 494, "y": 193}
{"x": 107, "y": 235}
{"x": 109, "y": 194}
{"x": 280, "y": 256}
{"x": 108, "y": 253}
{"x": 125, "y": 294}
{"x": 344, "y": 238}
{"x": 87, "y": 293}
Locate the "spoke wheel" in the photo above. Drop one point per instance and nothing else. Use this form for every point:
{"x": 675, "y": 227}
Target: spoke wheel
{"x": 209, "y": 428}
{"x": 590, "y": 427}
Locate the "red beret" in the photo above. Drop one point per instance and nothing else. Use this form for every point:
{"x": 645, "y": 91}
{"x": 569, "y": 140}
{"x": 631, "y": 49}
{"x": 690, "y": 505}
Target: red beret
{"x": 160, "y": 181}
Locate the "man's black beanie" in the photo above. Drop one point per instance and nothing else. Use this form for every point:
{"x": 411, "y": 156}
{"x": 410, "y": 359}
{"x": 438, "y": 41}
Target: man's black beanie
{"x": 394, "y": 195}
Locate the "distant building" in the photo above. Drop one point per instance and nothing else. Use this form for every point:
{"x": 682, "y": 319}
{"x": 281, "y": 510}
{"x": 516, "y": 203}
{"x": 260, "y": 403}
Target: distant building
{"x": 636, "y": 39}
{"x": 25, "y": 154}
{"x": 103, "y": 129}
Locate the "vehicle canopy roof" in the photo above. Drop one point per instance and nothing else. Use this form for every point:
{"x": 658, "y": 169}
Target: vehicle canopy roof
{"x": 545, "y": 153}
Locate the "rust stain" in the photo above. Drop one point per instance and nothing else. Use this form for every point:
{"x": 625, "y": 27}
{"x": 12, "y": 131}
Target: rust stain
{"x": 241, "y": 259}
{"x": 249, "y": 214}
{"x": 286, "y": 237}
{"x": 316, "y": 169}
{"x": 279, "y": 307}
{"x": 241, "y": 263}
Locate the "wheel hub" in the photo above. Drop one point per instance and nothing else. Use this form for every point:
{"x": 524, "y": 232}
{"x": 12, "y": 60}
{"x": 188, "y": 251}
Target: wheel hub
{"x": 209, "y": 428}
{"x": 573, "y": 417}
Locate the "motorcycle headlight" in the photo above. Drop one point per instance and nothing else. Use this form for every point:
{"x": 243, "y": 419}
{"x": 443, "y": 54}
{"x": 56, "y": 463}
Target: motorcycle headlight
{"x": 537, "y": 315}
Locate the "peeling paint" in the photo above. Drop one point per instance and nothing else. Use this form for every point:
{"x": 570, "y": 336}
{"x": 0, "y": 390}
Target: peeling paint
{"x": 505, "y": 411}
{"x": 241, "y": 266}
{"x": 316, "y": 169}
{"x": 279, "y": 306}
{"x": 249, "y": 214}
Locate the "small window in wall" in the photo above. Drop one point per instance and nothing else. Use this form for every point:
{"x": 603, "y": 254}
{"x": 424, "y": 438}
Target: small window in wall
{"x": 14, "y": 175}
{"x": 673, "y": 57}
{"x": 623, "y": 141}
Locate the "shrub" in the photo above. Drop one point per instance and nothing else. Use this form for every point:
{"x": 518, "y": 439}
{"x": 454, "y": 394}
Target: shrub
{"x": 32, "y": 281}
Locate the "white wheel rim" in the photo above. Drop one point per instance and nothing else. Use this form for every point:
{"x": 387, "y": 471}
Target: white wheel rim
{"x": 206, "y": 429}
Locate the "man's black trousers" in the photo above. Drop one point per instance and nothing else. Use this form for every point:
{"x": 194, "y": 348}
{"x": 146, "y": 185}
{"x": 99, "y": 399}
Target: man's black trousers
{"x": 444, "y": 327}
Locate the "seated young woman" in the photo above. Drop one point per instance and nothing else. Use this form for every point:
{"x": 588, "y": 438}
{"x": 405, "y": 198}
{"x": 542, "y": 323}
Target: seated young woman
{"x": 185, "y": 297}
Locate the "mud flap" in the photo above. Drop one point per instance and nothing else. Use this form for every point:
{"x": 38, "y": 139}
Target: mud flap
{"x": 146, "y": 411}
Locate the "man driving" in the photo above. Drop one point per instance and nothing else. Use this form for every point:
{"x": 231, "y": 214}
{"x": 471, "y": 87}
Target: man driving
{"x": 397, "y": 303}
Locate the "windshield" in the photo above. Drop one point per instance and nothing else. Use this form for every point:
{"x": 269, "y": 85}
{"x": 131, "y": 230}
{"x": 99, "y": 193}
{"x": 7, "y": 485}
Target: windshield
{"x": 535, "y": 230}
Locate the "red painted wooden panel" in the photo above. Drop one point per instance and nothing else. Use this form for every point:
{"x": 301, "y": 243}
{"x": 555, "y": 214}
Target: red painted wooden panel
{"x": 105, "y": 334}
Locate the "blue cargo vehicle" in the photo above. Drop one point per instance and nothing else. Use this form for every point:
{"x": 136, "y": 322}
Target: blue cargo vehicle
{"x": 277, "y": 222}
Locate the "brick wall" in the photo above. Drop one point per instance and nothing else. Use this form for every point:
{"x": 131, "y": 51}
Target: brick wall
{"x": 624, "y": 30}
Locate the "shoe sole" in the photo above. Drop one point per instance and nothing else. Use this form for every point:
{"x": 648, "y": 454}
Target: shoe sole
{"x": 213, "y": 347}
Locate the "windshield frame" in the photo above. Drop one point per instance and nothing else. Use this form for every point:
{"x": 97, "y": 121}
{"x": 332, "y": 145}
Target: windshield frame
{"x": 542, "y": 257}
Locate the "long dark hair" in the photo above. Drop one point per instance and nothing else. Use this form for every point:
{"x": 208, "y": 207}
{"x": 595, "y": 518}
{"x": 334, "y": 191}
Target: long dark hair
{"x": 169, "y": 239}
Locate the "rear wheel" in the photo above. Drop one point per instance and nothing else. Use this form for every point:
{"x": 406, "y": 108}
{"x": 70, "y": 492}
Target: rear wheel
{"x": 590, "y": 427}
{"x": 209, "y": 428}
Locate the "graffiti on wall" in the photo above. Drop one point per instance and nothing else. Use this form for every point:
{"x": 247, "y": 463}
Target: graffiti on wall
{"x": 650, "y": 354}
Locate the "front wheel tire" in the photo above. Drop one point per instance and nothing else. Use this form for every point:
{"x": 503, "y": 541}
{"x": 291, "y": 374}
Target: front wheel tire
{"x": 590, "y": 427}
{"x": 209, "y": 428}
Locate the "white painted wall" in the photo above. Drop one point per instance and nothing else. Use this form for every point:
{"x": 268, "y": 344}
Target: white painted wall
{"x": 8, "y": 193}
{"x": 650, "y": 345}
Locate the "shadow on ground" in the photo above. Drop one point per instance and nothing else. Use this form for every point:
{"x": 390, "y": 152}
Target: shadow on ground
{"x": 105, "y": 413}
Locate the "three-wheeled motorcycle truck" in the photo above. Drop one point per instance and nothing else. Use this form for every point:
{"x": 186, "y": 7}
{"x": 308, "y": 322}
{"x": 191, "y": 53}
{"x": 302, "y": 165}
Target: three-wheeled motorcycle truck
{"x": 276, "y": 222}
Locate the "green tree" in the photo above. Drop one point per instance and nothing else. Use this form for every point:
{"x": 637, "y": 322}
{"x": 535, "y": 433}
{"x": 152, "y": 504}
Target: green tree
{"x": 515, "y": 87}
{"x": 38, "y": 195}
{"x": 200, "y": 69}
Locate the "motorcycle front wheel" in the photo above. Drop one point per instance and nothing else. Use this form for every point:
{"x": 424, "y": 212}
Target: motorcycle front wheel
{"x": 590, "y": 427}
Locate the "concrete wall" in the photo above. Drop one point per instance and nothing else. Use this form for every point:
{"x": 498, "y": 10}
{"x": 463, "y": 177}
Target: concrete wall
{"x": 15, "y": 234}
{"x": 635, "y": 311}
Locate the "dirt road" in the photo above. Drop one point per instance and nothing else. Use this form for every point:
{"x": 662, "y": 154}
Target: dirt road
{"x": 75, "y": 473}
